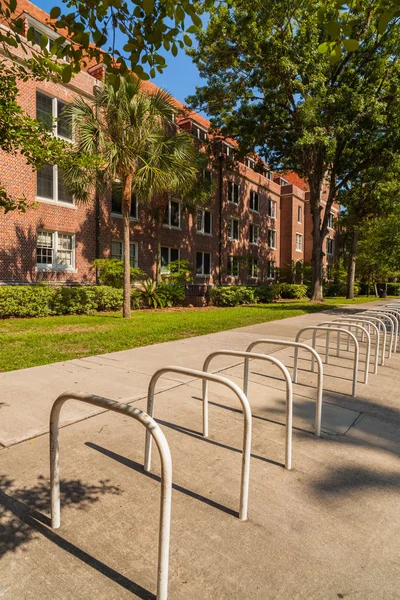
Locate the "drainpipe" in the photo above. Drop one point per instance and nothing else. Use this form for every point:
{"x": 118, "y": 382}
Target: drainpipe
{"x": 97, "y": 211}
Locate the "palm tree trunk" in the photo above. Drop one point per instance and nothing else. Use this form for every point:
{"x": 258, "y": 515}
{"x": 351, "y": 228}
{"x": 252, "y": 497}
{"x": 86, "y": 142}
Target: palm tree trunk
{"x": 351, "y": 270}
{"x": 126, "y": 223}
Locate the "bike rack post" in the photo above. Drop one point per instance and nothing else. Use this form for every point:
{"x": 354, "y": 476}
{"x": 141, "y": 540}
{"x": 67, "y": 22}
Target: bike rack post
{"x": 320, "y": 378}
{"x": 396, "y": 312}
{"x": 316, "y": 328}
{"x": 153, "y": 430}
{"x": 245, "y": 475}
{"x": 381, "y": 327}
{"x": 336, "y": 325}
{"x": 289, "y": 392}
{"x": 376, "y": 332}
{"x": 393, "y": 326}
{"x": 387, "y": 324}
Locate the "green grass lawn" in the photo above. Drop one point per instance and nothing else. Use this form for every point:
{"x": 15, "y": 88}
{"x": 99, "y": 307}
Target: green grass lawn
{"x": 32, "y": 342}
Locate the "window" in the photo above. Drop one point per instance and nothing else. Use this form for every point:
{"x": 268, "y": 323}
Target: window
{"x": 233, "y": 229}
{"x": 267, "y": 174}
{"x": 250, "y": 163}
{"x": 329, "y": 272}
{"x": 233, "y": 266}
{"x": 117, "y": 252}
{"x": 272, "y": 238}
{"x": 253, "y": 268}
{"x": 50, "y": 186}
{"x": 331, "y": 221}
{"x": 199, "y": 133}
{"x": 204, "y": 221}
{"x": 254, "y": 234}
{"x": 55, "y": 250}
{"x": 254, "y": 204}
{"x": 172, "y": 216}
{"x": 272, "y": 209}
{"x": 50, "y": 111}
{"x": 299, "y": 242}
{"x": 203, "y": 263}
{"x": 271, "y": 269}
{"x": 206, "y": 175}
{"x": 299, "y": 214}
{"x": 233, "y": 192}
{"x": 283, "y": 181}
{"x": 329, "y": 246}
{"x": 116, "y": 200}
{"x": 228, "y": 150}
{"x": 168, "y": 255}
{"x": 37, "y": 35}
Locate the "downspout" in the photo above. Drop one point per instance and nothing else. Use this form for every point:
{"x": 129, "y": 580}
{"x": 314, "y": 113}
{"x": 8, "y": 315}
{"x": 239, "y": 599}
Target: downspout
{"x": 97, "y": 209}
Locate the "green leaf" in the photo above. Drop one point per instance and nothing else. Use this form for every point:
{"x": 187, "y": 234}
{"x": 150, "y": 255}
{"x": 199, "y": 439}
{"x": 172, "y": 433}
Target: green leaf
{"x": 187, "y": 40}
{"x": 192, "y": 29}
{"x": 384, "y": 21}
{"x": 333, "y": 29}
{"x": 351, "y": 45}
{"x": 197, "y": 22}
{"x": 336, "y": 54}
{"x": 67, "y": 73}
{"x": 174, "y": 50}
{"x": 30, "y": 36}
{"x": 148, "y": 6}
{"x": 324, "y": 47}
{"x": 44, "y": 40}
{"x": 321, "y": 15}
{"x": 55, "y": 12}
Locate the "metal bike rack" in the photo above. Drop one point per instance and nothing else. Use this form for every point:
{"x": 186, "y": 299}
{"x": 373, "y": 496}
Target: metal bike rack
{"x": 316, "y": 328}
{"x": 153, "y": 430}
{"x": 387, "y": 325}
{"x": 245, "y": 476}
{"x": 320, "y": 378}
{"x": 376, "y": 332}
{"x": 393, "y": 325}
{"x": 336, "y": 325}
{"x": 289, "y": 392}
{"x": 380, "y": 325}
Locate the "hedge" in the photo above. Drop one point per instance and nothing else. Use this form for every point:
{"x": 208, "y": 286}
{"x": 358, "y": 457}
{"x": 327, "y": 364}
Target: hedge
{"x": 232, "y": 295}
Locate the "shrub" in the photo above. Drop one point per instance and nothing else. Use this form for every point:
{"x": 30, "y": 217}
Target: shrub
{"x": 293, "y": 291}
{"x": 393, "y": 289}
{"x": 179, "y": 271}
{"x": 266, "y": 293}
{"x": 107, "y": 298}
{"x": 25, "y": 301}
{"x": 111, "y": 272}
{"x": 232, "y": 295}
{"x": 148, "y": 292}
{"x": 335, "y": 289}
{"x": 172, "y": 293}
{"x": 74, "y": 300}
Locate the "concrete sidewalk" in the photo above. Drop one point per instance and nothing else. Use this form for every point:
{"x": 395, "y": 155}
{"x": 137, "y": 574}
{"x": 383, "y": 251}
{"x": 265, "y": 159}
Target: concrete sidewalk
{"x": 327, "y": 529}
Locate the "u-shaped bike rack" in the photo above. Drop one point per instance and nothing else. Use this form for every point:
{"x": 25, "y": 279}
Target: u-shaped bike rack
{"x": 245, "y": 476}
{"x": 367, "y": 325}
{"x": 336, "y": 325}
{"x": 320, "y": 379}
{"x": 289, "y": 392}
{"x": 153, "y": 430}
{"x": 394, "y": 315}
{"x": 316, "y": 328}
{"x": 392, "y": 321}
{"x": 387, "y": 324}
{"x": 381, "y": 327}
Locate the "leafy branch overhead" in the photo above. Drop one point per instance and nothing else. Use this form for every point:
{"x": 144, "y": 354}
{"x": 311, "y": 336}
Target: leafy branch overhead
{"x": 122, "y": 34}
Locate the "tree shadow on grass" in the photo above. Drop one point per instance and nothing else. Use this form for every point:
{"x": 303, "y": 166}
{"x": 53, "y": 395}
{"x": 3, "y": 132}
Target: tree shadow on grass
{"x": 22, "y": 521}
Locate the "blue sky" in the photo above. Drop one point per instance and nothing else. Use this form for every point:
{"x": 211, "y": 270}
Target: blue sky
{"x": 180, "y": 76}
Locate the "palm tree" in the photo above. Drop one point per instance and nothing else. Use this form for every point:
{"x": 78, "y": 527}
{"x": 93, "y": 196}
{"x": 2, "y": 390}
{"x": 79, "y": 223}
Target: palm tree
{"x": 135, "y": 137}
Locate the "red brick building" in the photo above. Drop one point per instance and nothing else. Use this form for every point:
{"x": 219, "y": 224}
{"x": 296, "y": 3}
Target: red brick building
{"x": 256, "y": 223}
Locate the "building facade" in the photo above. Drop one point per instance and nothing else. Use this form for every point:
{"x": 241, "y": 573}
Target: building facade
{"x": 257, "y": 222}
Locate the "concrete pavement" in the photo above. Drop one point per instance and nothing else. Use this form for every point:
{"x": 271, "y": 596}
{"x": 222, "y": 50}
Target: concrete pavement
{"x": 327, "y": 529}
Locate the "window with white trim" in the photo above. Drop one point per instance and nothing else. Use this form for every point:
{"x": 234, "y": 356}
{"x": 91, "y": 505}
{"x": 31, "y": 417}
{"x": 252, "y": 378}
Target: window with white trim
{"x": 253, "y": 268}
{"x": 228, "y": 150}
{"x": 271, "y": 238}
{"x": 299, "y": 242}
{"x": 203, "y": 264}
{"x": 116, "y": 201}
{"x": 55, "y": 250}
{"x": 39, "y": 30}
{"x": 199, "y": 133}
{"x": 117, "y": 251}
{"x": 299, "y": 214}
{"x": 330, "y": 246}
{"x": 233, "y": 266}
{"x": 250, "y": 163}
{"x": 172, "y": 216}
{"x": 254, "y": 234}
{"x": 271, "y": 269}
{"x": 233, "y": 229}
{"x": 267, "y": 174}
{"x": 204, "y": 221}
{"x": 50, "y": 186}
{"x": 331, "y": 221}
{"x": 50, "y": 112}
{"x": 168, "y": 255}
{"x": 206, "y": 174}
{"x": 233, "y": 192}
{"x": 254, "y": 201}
{"x": 272, "y": 209}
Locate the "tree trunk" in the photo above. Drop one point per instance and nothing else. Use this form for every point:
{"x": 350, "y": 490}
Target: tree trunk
{"x": 126, "y": 222}
{"x": 316, "y": 263}
{"x": 351, "y": 269}
{"x": 159, "y": 225}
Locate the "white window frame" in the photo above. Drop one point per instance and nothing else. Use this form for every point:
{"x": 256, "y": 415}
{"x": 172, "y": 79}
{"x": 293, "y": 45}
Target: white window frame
{"x": 233, "y": 259}
{"x": 32, "y": 22}
{"x": 253, "y": 262}
{"x": 201, "y": 231}
{"x": 230, "y": 230}
{"x": 55, "y": 199}
{"x": 197, "y": 134}
{"x": 333, "y": 247}
{"x": 269, "y": 263}
{"x": 54, "y": 114}
{"x": 299, "y": 246}
{"x": 117, "y": 215}
{"x": 268, "y": 174}
{"x": 165, "y": 270}
{"x": 250, "y": 163}
{"x": 272, "y": 208}
{"x": 254, "y": 194}
{"x": 231, "y": 192}
{"x": 202, "y": 274}
{"x": 254, "y": 226}
{"x": 299, "y": 214}
{"x": 331, "y": 218}
{"x": 121, "y": 256}
{"x": 168, "y": 225}
{"x": 273, "y": 231}
{"x": 228, "y": 149}
{"x": 206, "y": 171}
{"x": 56, "y": 266}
